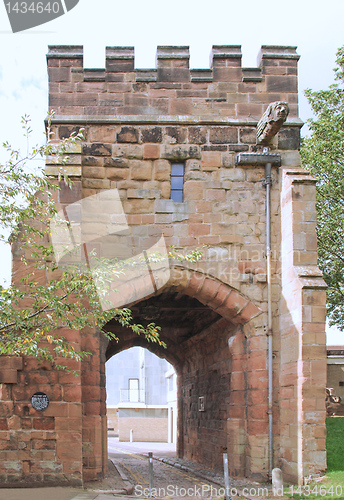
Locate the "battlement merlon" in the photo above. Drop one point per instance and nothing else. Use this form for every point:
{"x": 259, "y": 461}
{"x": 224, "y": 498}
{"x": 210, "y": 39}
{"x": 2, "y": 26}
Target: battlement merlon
{"x": 220, "y": 56}
{"x": 225, "y": 91}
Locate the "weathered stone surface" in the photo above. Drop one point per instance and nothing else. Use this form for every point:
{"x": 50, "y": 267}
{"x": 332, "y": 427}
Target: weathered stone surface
{"x": 151, "y": 151}
{"x": 211, "y": 160}
{"x": 180, "y": 152}
{"x": 101, "y": 133}
{"x": 176, "y": 134}
{"x": 172, "y": 88}
{"x": 70, "y": 170}
{"x": 289, "y": 139}
{"x": 128, "y": 134}
{"x": 173, "y": 74}
{"x": 116, "y": 162}
{"x": 96, "y": 149}
{"x": 92, "y": 161}
{"x": 94, "y": 172}
{"x": 116, "y": 174}
{"x": 66, "y": 131}
{"x": 213, "y": 312}
{"x": 197, "y": 135}
{"x": 140, "y": 170}
{"x": 96, "y": 183}
{"x": 162, "y": 170}
{"x": 153, "y": 134}
{"x": 281, "y": 83}
{"x": 247, "y": 135}
{"x": 127, "y": 151}
{"x": 69, "y": 194}
{"x": 223, "y": 135}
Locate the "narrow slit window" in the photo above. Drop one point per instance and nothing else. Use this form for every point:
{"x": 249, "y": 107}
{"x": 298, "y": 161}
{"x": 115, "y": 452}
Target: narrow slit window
{"x": 177, "y": 182}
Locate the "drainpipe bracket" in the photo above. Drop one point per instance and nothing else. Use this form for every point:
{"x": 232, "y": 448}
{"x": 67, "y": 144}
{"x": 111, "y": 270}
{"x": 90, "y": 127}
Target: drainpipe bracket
{"x": 258, "y": 159}
{"x": 267, "y": 182}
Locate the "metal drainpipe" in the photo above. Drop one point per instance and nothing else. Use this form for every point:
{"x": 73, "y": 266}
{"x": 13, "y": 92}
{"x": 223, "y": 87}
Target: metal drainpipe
{"x": 268, "y": 183}
{"x": 268, "y": 160}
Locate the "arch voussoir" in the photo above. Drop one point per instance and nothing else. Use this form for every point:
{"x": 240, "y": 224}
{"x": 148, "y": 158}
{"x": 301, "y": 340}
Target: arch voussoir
{"x": 249, "y": 311}
{"x": 210, "y": 291}
{"x": 233, "y": 305}
{"x": 220, "y": 297}
{"x": 195, "y": 284}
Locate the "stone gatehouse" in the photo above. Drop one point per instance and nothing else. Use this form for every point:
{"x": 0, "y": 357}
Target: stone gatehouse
{"x": 147, "y": 131}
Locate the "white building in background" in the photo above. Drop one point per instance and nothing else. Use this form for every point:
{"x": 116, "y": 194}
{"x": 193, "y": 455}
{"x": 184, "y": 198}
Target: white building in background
{"x": 171, "y": 378}
{"x": 141, "y": 397}
{"x": 335, "y": 370}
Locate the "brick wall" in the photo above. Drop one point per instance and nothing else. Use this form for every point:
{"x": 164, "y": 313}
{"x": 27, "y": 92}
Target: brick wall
{"x": 41, "y": 447}
{"x": 152, "y": 427}
{"x": 137, "y": 123}
{"x": 112, "y": 419}
{"x": 207, "y": 374}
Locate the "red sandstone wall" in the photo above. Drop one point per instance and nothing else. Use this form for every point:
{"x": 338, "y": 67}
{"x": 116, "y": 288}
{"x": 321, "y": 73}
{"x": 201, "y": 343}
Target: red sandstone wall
{"x": 207, "y": 373}
{"x": 137, "y": 122}
{"x": 41, "y": 447}
{"x": 172, "y": 89}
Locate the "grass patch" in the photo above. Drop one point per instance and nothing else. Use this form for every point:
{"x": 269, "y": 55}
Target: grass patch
{"x": 335, "y": 444}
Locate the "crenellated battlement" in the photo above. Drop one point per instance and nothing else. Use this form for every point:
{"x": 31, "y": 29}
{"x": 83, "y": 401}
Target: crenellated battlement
{"x": 225, "y": 90}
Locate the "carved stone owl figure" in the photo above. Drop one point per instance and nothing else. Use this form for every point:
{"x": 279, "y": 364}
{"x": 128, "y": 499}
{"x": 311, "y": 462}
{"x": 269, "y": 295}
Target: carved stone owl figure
{"x": 271, "y": 121}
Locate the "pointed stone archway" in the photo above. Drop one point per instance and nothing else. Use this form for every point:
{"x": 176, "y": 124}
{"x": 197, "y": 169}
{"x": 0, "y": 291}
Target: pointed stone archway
{"x": 198, "y": 315}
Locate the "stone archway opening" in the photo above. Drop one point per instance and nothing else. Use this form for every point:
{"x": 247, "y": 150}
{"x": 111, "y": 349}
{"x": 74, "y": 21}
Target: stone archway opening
{"x": 141, "y": 398}
{"x": 196, "y": 337}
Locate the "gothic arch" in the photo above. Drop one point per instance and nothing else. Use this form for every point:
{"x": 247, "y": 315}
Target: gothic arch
{"x": 219, "y": 296}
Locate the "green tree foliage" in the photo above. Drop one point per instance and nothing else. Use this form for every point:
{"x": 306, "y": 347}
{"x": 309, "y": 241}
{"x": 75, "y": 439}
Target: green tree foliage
{"x": 323, "y": 155}
{"x": 35, "y": 311}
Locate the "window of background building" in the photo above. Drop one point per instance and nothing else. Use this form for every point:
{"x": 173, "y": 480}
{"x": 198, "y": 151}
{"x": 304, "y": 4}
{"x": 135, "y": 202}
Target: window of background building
{"x": 134, "y": 390}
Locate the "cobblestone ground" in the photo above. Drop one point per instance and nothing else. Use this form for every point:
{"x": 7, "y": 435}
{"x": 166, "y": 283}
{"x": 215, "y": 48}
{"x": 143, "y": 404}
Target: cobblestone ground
{"x": 168, "y": 482}
{"x": 174, "y": 478}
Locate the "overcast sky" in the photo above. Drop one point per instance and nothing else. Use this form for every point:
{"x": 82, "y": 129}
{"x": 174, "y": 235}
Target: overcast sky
{"x": 314, "y": 26}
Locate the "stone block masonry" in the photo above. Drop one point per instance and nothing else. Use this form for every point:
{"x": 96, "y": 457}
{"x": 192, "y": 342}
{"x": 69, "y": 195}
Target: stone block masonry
{"x": 172, "y": 89}
{"x": 138, "y": 123}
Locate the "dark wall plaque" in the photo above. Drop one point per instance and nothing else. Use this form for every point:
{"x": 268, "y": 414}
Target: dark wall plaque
{"x": 40, "y": 401}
